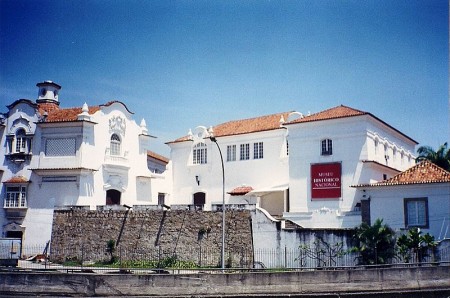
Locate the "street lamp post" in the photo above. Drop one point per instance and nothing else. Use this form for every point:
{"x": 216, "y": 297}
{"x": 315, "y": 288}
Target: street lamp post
{"x": 214, "y": 140}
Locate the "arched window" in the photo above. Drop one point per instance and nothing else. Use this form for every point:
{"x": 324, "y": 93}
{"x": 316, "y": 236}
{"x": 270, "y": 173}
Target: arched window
{"x": 115, "y": 145}
{"x": 326, "y": 147}
{"x": 199, "y": 154}
{"x": 21, "y": 141}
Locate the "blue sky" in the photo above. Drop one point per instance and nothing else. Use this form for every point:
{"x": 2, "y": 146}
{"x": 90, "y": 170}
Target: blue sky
{"x": 180, "y": 64}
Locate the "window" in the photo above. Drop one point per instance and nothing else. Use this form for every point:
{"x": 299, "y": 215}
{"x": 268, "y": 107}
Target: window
{"x": 199, "y": 154}
{"x": 16, "y": 197}
{"x": 327, "y": 147}
{"x": 244, "y": 151}
{"x": 21, "y": 141}
{"x": 287, "y": 147}
{"x": 231, "y": 153}
{"x": 416, "y": 212}
{"x": 115, "y": 145}
{"x": 60, "y": 147}
{"x": 258, "y": 150}
{"x": 161, "y": 198}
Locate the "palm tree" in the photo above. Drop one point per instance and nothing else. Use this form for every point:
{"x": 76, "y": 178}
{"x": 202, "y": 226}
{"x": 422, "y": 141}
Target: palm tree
{"x": 440, "y": 157}
{"x": 375, "y": 243}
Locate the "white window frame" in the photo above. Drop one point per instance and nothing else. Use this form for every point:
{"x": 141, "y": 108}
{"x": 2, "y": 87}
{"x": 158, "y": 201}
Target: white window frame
{"x": 15, "y": 196}
{"x": 244, "y": 151}
{"x": 416, "y": 212}
{"x": 115, "y": 145}
{"x": 258, "y": 150}
{"x": 200, "y": 154}
{"x": 21, "y": 143}
{"x": 326, "y": 147}
{"x": 231, "y": 153}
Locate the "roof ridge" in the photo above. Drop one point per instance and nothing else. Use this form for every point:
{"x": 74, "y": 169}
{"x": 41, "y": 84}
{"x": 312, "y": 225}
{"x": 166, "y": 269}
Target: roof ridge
{"x": 254, "y": 118}
{"x": 336, "y": 107}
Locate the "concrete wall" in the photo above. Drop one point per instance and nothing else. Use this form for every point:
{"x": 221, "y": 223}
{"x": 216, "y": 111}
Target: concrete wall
{"x": 356, "y": 282}
{"x": 276, "y": 247}
{"x": 152, "y": 234}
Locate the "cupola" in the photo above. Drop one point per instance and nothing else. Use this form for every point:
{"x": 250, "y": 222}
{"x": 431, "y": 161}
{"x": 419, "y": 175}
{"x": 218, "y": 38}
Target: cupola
{"x": 48, "y": 92}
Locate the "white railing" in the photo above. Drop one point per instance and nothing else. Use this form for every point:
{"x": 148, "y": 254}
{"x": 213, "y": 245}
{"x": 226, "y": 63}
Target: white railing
{"x": 20, "y": 202}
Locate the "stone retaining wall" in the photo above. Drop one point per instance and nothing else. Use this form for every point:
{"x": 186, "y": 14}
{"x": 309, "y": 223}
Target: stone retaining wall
{"x": 150, "y": 234}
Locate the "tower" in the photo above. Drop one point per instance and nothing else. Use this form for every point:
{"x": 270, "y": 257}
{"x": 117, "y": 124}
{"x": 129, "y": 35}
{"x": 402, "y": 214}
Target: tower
{"x": 48, "y": 92}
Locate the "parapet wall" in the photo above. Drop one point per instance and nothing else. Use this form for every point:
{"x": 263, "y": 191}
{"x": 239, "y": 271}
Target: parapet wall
{"x": 148, "y": 234}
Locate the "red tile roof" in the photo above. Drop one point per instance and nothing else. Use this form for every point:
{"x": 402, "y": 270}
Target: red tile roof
{"x": 67, "y": 115}
{"x": 56, "y": 114}
{"x": 17, "y": 179}
{"x": 157, "y": 156}
{"x": 241, "y": 190}
{"x": 237, "y": 127}
{"x": 333, "y": 113}
{"x": 341, "y": 112}
{"x": 423, "y": 173}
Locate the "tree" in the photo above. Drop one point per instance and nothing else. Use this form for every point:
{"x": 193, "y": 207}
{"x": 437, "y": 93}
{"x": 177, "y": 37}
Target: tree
{"x": 376, "y": 243}
{"x": 110, "y": 249}
{"x": 440, "y": 157}
{"x": 415, "y": 243}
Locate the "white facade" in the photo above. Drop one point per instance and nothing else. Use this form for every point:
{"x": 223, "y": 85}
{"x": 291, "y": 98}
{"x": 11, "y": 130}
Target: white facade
{"x": 266, "y": 170}
{"x": 363, "y": 147}
{"x": 418, "y": 197}
{"x": 435, "y": 196}
{"x": 89, "y": 156}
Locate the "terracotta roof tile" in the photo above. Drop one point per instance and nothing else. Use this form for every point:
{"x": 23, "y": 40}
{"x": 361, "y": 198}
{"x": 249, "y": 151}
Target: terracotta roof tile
{"x": 241, "y": 190}
{"x": 55, "y": 114}
{"x": 237, "y": 127}
{"x": 341, "y": 112}
{"x": 17, "y": 179}
{"x": 423, "y": 173}
{"x": 333, "y": 113}
{"x": 157, "y": 156}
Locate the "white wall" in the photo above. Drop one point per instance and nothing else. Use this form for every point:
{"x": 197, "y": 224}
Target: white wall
{"x": 351, "y": 146}
{"x": 387, "y": 203}
{"x": 92, "y": 167}
{"x": 272, "y": 170}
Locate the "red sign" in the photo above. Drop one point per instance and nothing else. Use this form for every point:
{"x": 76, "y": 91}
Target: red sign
{"x": 326, "y": 180}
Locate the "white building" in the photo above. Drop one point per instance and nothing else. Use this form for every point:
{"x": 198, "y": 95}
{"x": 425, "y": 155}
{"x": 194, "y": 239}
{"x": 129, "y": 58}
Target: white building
{"x": 86, "y": 156}
{"x": 418, "y": 197}
{"x": 331, "y": 150}
{"x": 254, "y": 158}
{"x": 296, "y": 167}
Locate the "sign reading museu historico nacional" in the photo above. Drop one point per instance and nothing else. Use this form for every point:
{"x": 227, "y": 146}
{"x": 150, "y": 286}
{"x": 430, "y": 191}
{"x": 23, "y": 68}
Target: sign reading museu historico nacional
{"x": 326, "y": 181}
